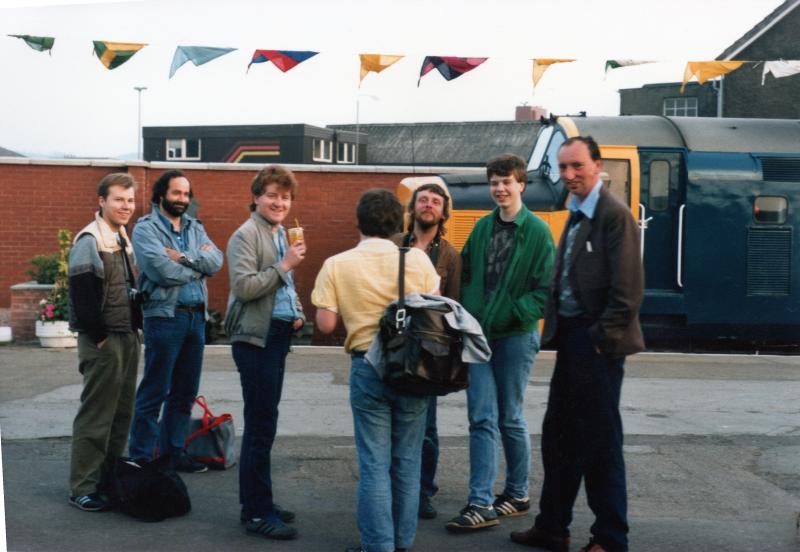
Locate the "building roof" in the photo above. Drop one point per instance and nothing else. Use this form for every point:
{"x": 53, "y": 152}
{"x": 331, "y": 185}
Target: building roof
{"x": 761, "y": 27}
{"x": 8, "y": 153}
{"x": 451, "y": 144}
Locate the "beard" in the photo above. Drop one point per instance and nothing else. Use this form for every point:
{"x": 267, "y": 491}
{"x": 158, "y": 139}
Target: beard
{"x": 174, "y": 208}
{"x": 425, "y": 224}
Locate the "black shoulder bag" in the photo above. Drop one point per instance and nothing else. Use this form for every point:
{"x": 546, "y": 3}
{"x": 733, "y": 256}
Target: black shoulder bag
{"x": 422, "y": 353}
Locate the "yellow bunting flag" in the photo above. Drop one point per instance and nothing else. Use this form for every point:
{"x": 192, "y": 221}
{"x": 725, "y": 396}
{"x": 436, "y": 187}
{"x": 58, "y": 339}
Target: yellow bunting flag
{"x": 541, "y": 65}
{"x": 376, "y": 63}
{"x": 114, "y": 54}
{"x": 705, "y": 70}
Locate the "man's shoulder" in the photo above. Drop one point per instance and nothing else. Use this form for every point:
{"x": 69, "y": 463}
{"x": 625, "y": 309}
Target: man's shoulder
{"x": 447, "y": 247}
{"x": 609, "y": 204}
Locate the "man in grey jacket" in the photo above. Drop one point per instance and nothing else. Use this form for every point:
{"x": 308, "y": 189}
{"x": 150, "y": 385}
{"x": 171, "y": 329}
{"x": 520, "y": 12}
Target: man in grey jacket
{"x": 175, "y": 256}
{"x": 263, "y": 312}
{"x": 108, "y": 323}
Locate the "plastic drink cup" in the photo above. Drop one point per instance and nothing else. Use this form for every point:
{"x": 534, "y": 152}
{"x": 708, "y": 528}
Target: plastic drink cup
{"x": 294, "y": 235}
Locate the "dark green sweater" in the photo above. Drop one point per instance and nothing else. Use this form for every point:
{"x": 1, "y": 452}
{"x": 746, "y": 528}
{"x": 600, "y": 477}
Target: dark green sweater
{"x": 517, "y": 304}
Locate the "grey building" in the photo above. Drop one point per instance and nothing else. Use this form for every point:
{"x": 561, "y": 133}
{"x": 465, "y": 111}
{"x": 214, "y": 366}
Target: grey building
{"x": 665, "y": 98}
{"x": 8, "y": 153}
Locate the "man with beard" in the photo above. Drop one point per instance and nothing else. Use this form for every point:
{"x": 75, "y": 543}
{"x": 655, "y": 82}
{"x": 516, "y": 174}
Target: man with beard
{"x": 175, "y": 256}
{"x": 428, "y": 210}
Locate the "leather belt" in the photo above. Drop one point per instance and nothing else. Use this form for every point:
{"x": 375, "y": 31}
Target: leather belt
{"x": 191, "y": 308}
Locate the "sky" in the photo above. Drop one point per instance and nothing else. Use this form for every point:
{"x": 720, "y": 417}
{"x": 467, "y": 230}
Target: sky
{"x": 68, "y": 104}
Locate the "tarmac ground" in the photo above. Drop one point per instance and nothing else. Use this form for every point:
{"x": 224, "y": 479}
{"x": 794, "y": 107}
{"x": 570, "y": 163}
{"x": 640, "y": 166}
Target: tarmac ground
{"x": 712, "y": 453}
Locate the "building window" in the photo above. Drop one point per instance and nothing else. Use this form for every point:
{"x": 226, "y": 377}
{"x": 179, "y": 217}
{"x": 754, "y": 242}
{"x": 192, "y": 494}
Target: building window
{"x": 323, "y": 150}
{"x": 347, "y": 153}
{"x": 183, "y": 149}
{"x": 680, "y": 107}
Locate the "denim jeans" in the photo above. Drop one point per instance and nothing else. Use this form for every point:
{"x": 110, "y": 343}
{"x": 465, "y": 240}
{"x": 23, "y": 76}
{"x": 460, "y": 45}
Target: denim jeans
{"x": 495, "y": 409}
{"x": 173, "y": 358}
{"x": 430, "y": 453}
{"x": 389, "y": 429}
{"x": 261, "y": 371}
{"x": 582, "y": 439}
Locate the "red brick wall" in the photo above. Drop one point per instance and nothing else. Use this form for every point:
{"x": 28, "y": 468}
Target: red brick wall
{"x": 38, "y": 199}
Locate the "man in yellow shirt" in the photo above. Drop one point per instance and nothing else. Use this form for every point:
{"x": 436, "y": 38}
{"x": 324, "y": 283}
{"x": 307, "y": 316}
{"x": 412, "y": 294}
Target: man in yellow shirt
{"x": 357, "y": 285}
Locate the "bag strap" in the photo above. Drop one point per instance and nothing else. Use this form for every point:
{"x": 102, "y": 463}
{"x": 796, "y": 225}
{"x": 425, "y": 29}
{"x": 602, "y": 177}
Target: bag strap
{"x": 400, "y": 314}
{"x": 201, "y": 402}
{"x": 124, "y": 243}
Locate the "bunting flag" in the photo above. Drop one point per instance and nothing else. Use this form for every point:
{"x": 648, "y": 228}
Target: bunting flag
{"x": 198, "y": 55}
{"x": 781, "y": 68}
{"x": 38, "y": 43}
{"x": 541, "y": 65}
{"x": 282, "y": 59}
{"x": 114, "y": 54}
{"x": 705, "y": 70}
{"x": 450, "y": 67}
{"x": 617, "y": 63}
{"x": 375, "y": 63}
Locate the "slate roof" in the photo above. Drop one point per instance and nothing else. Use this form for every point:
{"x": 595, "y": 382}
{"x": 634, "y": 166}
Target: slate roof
{"x": 453, "y": 144}
{"x": 8, "y": 153}
{"x": 761, "y": 27}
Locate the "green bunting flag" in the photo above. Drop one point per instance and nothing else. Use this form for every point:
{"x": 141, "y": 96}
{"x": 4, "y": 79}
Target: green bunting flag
{"x": 38, "y": 43}
{"x": 114, "y": 54}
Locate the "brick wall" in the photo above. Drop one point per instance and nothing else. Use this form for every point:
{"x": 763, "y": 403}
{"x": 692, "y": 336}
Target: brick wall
{"x": 37, "y": 198}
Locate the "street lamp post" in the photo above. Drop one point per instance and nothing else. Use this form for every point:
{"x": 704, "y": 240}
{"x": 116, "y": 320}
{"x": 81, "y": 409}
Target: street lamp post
{"x": 358, "y": 106}
{"x": 139, "y": 90}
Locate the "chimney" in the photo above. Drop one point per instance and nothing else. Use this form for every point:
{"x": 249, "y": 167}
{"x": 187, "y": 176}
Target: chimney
{"x": 529, "y": 113}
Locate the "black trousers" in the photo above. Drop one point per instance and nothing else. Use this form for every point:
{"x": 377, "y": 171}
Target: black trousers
{"x": 582, "y": 439}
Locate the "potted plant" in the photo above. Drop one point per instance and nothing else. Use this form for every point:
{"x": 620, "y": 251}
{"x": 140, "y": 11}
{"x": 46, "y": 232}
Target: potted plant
{"x": 52, "y": 328}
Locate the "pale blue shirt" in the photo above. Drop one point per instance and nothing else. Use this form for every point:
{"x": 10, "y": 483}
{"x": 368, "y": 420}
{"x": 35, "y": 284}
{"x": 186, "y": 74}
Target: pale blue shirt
{"x": 285, "y": 306}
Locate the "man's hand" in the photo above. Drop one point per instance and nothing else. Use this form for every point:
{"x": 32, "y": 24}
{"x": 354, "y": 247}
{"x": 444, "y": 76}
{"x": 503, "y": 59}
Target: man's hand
{"x": 173, "y": 254}
{"x": 294, "y": 256}
{"x": 297, "y": 324}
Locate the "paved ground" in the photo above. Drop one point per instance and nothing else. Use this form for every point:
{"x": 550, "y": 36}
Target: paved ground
{"x": 712, "y": 452}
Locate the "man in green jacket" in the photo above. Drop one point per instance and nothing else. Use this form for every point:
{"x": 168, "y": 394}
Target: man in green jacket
{"x": 507, "y": 262}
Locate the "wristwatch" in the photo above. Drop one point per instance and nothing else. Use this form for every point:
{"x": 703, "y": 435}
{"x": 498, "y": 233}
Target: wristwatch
{"x": 185, "y": 261}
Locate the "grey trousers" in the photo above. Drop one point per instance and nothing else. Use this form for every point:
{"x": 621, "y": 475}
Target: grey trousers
{"x": 100, "y": 429}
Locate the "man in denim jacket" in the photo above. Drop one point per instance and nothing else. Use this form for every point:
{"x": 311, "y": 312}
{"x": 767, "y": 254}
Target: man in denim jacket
{"x": 175, "y": 257}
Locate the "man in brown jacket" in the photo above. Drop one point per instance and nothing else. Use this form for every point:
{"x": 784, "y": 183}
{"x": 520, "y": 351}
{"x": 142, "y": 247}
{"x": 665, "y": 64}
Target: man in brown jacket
{"x": 592, "y": 317}
{"x": 428, "y": 210}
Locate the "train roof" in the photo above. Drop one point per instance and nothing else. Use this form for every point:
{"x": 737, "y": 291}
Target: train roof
{"x": 701, "y": 134}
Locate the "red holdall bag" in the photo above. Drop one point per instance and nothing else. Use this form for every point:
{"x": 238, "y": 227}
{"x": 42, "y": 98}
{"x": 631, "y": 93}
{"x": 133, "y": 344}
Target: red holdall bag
{"x": 212, "y": 439}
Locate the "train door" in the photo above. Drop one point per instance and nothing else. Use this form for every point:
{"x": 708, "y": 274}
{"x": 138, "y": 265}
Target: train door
{"x": 661, "y": 204}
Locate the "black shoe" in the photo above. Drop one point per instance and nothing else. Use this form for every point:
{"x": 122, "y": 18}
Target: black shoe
{"x": 285, "y": 516}
{"x": 89, "y": 503}
{"x": 507, "y": 506}
{"x": 426, "y": 509}
{"x": 187, "y": 464}
{"x": 540, "y": 539}
{"x": 472, "y": 518}
{"x": 270, "y": 529}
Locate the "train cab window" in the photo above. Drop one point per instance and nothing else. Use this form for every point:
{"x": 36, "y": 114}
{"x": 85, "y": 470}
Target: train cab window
{"x": 658, "y": 194}
{"x": 616, "y": 176}
{"x": 770, "y": 210}
{"x": 545, "y": 152}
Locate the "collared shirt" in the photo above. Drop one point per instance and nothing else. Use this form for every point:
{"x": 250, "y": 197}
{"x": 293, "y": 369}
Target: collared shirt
{"x": 285, "y": 306}
{"x": 568, "y": 305}
{"x": 190, "y": 293}
{"x": 360, "y": 283}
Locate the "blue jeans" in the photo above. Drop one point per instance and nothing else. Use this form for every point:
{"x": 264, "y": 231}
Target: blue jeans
{"x": 582, "y": 440}
{"x": 261, "y": 371}
{"x": 388, "y": 430}
{"x": 173, "y": 358}
{"x": 495, "y": 409}
{"x": 430, "y": 453}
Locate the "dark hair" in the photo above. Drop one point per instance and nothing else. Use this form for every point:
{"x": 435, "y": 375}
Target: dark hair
{"x": 508, "y": 164}
{"x": 594, "y": 149}
{"x": 438, "y": 190}
{"x": 379, "y": 213}
{"x": 161, "y": 185}
{"x": 277, "y": 174}
{"x": 123, "y": 180}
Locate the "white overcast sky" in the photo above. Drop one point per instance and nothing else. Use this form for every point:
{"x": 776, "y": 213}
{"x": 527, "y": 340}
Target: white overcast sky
{"x": 68, "y": 103}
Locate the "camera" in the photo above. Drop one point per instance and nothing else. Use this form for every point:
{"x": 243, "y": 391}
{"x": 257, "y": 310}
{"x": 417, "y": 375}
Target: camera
{"x": 136, "y": 297}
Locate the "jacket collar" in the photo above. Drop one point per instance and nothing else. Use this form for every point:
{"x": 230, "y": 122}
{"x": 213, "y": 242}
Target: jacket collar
{"x": 109, "y": 237}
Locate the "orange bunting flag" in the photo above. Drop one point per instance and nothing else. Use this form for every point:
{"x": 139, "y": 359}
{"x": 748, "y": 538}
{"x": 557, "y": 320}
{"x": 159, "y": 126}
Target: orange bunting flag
{"x": 705, "y": 70}
{"x": 375, "y": 63}
{"x": 541, "y": 65}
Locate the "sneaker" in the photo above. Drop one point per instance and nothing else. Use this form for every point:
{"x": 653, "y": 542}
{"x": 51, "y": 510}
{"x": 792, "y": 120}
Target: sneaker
{"x": 473, "y": 518}
{"x": 540, "y": 539}
{"x": 507, "y": 506}
{"x": 426, "y": 509}
{"x": 187, "y": 464}
{"x": 270, "y": 529}
{"x": 285, "y": 516}
{"x": 89, "y": 503}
